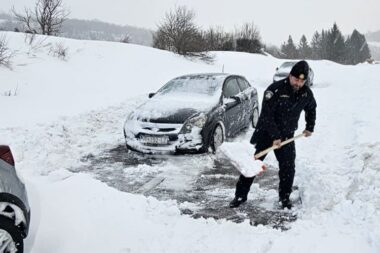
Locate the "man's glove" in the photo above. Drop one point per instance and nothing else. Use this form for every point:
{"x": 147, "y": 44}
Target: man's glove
{"x": 277, "y": 143}
{"x": 307, "y": 133}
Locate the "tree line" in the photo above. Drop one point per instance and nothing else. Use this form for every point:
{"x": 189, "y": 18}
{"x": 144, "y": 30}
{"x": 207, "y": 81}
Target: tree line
{"x": 179, "y": 33}
{"x": 329, "y": 45}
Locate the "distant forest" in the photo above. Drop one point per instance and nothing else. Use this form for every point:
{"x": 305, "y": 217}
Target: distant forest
{"x": 326, "y": 44}
{"x": 90, "y": 30}
{"x": 331, "y": 45}
{"x": 373, "y": 36}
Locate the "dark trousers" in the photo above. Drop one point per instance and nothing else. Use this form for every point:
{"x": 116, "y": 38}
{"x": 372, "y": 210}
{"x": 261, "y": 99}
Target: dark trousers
{"x": 286, "y": 156}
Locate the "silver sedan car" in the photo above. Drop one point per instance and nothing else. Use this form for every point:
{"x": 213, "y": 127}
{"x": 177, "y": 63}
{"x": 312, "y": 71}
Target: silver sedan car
{"x": 14, "y": 205}
{"x": 192, "y": 113}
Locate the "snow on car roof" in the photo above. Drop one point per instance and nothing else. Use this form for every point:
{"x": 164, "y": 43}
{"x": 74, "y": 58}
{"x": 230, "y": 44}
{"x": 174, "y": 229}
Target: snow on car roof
{"x": 206, "y": 74}
{"x": 206, "y": 84}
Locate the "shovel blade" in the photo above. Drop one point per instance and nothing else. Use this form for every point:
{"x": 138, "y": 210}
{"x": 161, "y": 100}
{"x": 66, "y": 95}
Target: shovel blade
{"x": 256, "y": 168}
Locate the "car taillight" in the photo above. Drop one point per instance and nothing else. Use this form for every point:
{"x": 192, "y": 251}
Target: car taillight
{"x": 6, "y": 155}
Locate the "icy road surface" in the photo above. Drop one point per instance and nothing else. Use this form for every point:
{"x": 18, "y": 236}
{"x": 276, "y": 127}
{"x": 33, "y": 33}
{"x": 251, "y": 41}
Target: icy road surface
{"x": 202, "y": 184}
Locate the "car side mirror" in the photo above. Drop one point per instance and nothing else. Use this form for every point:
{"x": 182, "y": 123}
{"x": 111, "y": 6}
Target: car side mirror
{"x": 277, "y": 69}
{"x": 237, "y": 98}
{"x": 151, "y": 94}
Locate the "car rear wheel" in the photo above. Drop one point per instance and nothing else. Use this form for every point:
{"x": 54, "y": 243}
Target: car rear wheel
{"x": 10, "y": 237}
{"x": 217, "y": 138}
{"x": 255, "y": 117}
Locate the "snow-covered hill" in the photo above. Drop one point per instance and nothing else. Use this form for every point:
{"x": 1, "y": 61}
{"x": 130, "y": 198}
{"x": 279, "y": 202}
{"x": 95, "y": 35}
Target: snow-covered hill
{"x": 60, "y": 110}
{"x": 374, "y": 47}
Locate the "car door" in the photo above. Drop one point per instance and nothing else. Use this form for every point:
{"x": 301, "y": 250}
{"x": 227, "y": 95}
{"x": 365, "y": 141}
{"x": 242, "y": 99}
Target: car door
{"x": 233, "y": 106}
{"x": 247, "y": 103}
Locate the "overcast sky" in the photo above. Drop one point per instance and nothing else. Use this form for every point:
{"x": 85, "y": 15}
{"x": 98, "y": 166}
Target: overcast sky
{"x": 275, "y": 19}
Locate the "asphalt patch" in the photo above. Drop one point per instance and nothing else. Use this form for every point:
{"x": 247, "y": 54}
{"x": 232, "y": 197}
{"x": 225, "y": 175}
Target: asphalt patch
{"x": 206, "y": 196}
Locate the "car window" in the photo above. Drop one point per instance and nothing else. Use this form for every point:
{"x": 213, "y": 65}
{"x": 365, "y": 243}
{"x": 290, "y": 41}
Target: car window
{"x": 231, "y": 88}
{"x": 287, "y": 64}
{"x": 243, "y": 84}
{"x": 197, "y": 84}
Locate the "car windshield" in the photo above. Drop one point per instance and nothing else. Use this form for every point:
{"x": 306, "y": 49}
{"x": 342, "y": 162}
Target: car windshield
{"x": 287, "y": 65}
{"x": 207, "y": 85}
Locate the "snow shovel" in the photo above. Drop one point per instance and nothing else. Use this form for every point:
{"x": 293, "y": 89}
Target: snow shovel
{"x": 258, "y": 166}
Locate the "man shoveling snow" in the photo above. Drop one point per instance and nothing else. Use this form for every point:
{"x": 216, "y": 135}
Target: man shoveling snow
{"x": 283, "y": 103}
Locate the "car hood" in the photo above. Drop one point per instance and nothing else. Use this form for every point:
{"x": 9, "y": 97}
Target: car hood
{"x": 172, "y": 109}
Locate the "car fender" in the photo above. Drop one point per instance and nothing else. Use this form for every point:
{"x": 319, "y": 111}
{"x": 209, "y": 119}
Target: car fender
{"x": 206, "y": 135}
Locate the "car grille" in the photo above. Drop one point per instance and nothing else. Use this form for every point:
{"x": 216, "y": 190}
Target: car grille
{"x": 158, "y": 134}
{"x": 160, "y": 130}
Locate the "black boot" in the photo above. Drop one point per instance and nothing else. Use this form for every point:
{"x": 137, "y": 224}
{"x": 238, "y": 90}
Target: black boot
{"x": 237, "y": 201}
{"x": 286, "y": 203}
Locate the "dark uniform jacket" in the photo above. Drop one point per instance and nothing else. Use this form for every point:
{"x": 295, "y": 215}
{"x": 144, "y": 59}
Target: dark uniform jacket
{"x": 281, "y": 110}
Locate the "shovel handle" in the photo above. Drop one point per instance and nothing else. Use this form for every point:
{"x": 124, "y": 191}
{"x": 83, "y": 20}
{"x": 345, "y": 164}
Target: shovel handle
{"x": 266, "y": 151}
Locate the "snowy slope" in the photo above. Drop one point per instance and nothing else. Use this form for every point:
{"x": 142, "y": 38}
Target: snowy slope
{"x": 95, "y": 75}
{"x": 66, "y": 109}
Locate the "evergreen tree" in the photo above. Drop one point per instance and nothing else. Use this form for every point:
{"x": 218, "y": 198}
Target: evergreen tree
{"x": 304, "y": 50}
{"x": 289, "y": 50}
{"x": 324, "y": 37}
{"x": 316, "y": 46}
{"x": 357, "y": 48}
{"x": 335, "y": 45}
{"x": 330, "y": 45}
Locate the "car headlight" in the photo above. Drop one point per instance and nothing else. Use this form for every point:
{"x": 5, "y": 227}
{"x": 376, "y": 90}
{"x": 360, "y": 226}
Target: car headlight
{"x": 130, "y": 123}
{"x": 197, "y": 121}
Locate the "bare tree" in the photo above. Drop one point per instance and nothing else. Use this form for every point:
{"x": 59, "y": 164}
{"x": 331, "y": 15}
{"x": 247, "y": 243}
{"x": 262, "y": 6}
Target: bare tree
{"x": 248, "y": 39}
{"x": 218, "y": 40}
{"x": 50, "y": 15}
{"x": 46, "y": 17}
{"x": 5, "y": 53}
{"x": 178, "y": 33}
{"x": 27, "y": 19}
{"x": 126, "y": 39}
{"x": 35, "y": 43}
{"x": 59, "y": 50}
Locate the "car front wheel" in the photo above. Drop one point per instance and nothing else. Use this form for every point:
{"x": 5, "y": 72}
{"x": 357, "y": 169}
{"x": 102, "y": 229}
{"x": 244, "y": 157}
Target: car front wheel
{"x": 10, "y": 237}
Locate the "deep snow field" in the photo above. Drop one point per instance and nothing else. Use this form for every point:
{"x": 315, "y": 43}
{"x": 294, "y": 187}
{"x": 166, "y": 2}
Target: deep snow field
{"x": 63, "y": 109}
